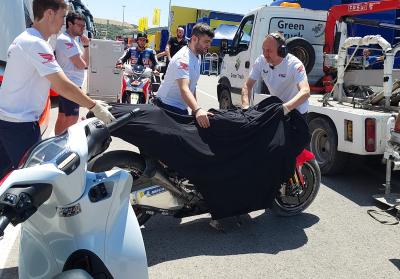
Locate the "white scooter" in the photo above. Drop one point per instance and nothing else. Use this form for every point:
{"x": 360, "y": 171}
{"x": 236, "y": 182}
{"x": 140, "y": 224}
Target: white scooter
{"x": 73, "y": 220}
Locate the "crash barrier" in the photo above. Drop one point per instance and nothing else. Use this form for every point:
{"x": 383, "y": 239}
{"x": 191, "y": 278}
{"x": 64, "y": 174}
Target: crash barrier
{"x": 210, "y": 64}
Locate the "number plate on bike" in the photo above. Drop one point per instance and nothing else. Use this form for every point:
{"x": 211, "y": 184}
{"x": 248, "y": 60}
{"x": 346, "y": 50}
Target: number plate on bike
{"x": 134, "y": 98}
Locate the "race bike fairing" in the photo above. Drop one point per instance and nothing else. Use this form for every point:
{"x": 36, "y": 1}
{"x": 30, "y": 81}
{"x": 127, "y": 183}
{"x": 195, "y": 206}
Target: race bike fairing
{"x": 237, "y": 164}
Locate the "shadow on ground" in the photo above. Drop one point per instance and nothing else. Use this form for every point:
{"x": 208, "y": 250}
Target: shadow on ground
{"x": 362, "y": 178}
{"x": 396, "y": 263}
{"x": 167, "y": 240}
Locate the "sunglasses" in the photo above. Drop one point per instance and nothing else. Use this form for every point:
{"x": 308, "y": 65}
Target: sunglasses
{"x": 80, "y": 25}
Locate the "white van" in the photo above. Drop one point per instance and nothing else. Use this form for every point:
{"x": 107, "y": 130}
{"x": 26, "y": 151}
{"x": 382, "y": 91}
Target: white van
{"x": 303, "y": 29}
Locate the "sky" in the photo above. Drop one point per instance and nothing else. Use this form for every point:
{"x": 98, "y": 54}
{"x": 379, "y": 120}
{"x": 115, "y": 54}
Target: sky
{"x": 135, "y": 9}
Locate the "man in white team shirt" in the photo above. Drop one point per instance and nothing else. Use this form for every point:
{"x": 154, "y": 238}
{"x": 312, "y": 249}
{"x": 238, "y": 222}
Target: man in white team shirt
{"x": 178, "y": 91}
{"x": 73, "y": 61}
{"x": 31, "y": 69}
{"x": 283, "y": 73}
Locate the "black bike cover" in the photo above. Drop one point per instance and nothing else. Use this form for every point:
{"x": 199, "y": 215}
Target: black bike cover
{"x": 237, "y": 164}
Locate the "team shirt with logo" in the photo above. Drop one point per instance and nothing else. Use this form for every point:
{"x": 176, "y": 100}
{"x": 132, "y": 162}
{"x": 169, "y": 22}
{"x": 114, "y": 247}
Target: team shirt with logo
{"x": 25, "y": 89}
{"x": 67, "y": 47}
{"x": 146, "y": 57}
{"x": 283, "y": 79}
{"x": 184, "y": 64}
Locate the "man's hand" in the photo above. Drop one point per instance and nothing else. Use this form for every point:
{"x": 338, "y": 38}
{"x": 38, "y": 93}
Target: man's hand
{"x": 100, "y": 110}
{"x": 84, "y": 40}
{"x": 285, "y": 108}
{"x": 202, "y": 118}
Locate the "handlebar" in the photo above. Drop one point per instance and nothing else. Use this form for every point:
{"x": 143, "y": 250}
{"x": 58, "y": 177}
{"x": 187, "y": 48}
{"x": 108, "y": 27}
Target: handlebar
{"x": 122, "y": 120}
{"x": 4, "y": 222}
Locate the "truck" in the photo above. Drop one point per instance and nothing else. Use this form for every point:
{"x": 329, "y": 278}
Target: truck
{"x": 355, "y": 110}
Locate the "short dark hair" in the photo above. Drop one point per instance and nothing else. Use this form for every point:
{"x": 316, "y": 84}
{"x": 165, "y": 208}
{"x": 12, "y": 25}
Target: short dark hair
{"x": 202, "y": 29}
{"x": 72, "y": 16}
{"x": 40, "y": 6}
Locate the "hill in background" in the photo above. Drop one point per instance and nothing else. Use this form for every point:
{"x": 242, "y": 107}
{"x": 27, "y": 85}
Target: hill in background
{"x": 109, "y": 28}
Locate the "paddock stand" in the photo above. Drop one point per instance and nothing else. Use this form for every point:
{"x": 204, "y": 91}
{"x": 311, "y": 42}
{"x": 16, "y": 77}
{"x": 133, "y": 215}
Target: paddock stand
{"x": 392, "y": 157}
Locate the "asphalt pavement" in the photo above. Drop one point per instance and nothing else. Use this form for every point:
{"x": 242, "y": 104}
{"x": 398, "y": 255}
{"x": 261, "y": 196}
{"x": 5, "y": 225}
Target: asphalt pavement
{"x": 333, "y": 238}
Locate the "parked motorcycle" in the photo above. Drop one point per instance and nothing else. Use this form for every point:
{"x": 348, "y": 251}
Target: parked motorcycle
{"x": 138, "y": 84}
{"x": 73, "y": 220}
{"x": 157, "y": 188}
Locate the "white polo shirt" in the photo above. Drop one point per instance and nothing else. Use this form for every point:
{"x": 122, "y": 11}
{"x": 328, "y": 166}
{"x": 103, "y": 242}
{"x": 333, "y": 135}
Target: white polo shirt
{"x": 67, "y": 47}
{"x": 24, "y": 91}
{"x": 283, "y": 79}
{"x": 184, "y": 64}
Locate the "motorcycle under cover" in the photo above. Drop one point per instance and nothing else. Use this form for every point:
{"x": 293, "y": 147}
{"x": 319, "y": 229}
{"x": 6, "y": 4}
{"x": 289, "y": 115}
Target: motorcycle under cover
{"x": 238, "y": 164}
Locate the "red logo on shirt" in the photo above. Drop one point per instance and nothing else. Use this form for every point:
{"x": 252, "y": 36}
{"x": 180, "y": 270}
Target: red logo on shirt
{"x": 48, "y": 57}
{"x": 183, "y": 66}
{"x": 69, "y": 45}
{"x": 300, "y": 69}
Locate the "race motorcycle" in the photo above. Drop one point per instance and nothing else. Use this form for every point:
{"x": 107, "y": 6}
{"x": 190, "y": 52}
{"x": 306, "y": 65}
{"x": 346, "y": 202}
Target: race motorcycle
{"x": 74, "y": 221}
{"x": 137, "y": 84}
{"x": 158, "y": 189}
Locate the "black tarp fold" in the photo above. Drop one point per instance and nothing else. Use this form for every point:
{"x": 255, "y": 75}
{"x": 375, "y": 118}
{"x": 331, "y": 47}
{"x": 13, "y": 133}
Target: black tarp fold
{"x": 237, "y": 164}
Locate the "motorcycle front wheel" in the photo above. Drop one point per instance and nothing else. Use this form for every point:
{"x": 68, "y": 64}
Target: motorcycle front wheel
{"x": 295, "y": 196}
{"x": 126, "y": 160}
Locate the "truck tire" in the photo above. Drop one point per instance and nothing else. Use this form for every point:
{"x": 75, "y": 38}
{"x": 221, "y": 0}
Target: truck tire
{"x": 127, "y": 160}
{"x": 303, "y": 50}
{"x": 324, "y": 146}
{"x": 225, "y": 99}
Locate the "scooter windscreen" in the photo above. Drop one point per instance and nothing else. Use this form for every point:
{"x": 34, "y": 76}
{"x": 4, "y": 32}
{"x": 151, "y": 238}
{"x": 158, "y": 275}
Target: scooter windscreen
{"x": 47, "y": 151}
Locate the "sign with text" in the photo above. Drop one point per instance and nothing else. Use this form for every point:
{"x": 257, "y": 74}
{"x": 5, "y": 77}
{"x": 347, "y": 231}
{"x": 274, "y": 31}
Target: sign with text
{"x": 311, "y": 30}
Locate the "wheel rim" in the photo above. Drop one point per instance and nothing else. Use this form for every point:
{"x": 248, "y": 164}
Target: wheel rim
{"x": 301, "y": 54}
{"x": 321, "y": 146}
{"x": 291, "y": 200}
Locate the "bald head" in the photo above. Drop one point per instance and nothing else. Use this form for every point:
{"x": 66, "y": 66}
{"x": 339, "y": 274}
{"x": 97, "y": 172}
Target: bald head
{"x": 270, "y": 50}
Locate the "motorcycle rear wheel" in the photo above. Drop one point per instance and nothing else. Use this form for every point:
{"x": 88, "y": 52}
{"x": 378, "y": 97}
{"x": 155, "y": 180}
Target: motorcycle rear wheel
{"x": 127, "y": 160}
{"x": 289, "y": 203}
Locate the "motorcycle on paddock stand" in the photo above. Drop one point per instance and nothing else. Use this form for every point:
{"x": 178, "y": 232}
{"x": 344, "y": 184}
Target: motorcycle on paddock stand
{"x": 74, "y": 221}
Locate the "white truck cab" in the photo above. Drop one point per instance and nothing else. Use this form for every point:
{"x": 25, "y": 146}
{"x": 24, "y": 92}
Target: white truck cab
{"x": 304, "y": 30}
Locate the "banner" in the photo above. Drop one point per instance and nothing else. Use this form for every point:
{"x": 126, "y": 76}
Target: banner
{"x": 156, "y": 17}
{"x": 141, "y": 25}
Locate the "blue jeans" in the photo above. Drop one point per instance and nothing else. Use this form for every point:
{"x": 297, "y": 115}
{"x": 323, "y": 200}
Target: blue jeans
{"x": 15, "y": 139}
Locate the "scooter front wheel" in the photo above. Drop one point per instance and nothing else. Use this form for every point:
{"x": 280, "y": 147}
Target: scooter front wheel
{"x": 299, "y": 192}
{"x": 126, "y": 160}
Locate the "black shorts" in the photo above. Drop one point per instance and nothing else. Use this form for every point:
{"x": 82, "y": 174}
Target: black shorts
{"x": 15, "y": 139}
{"x": 67, "y": 107}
